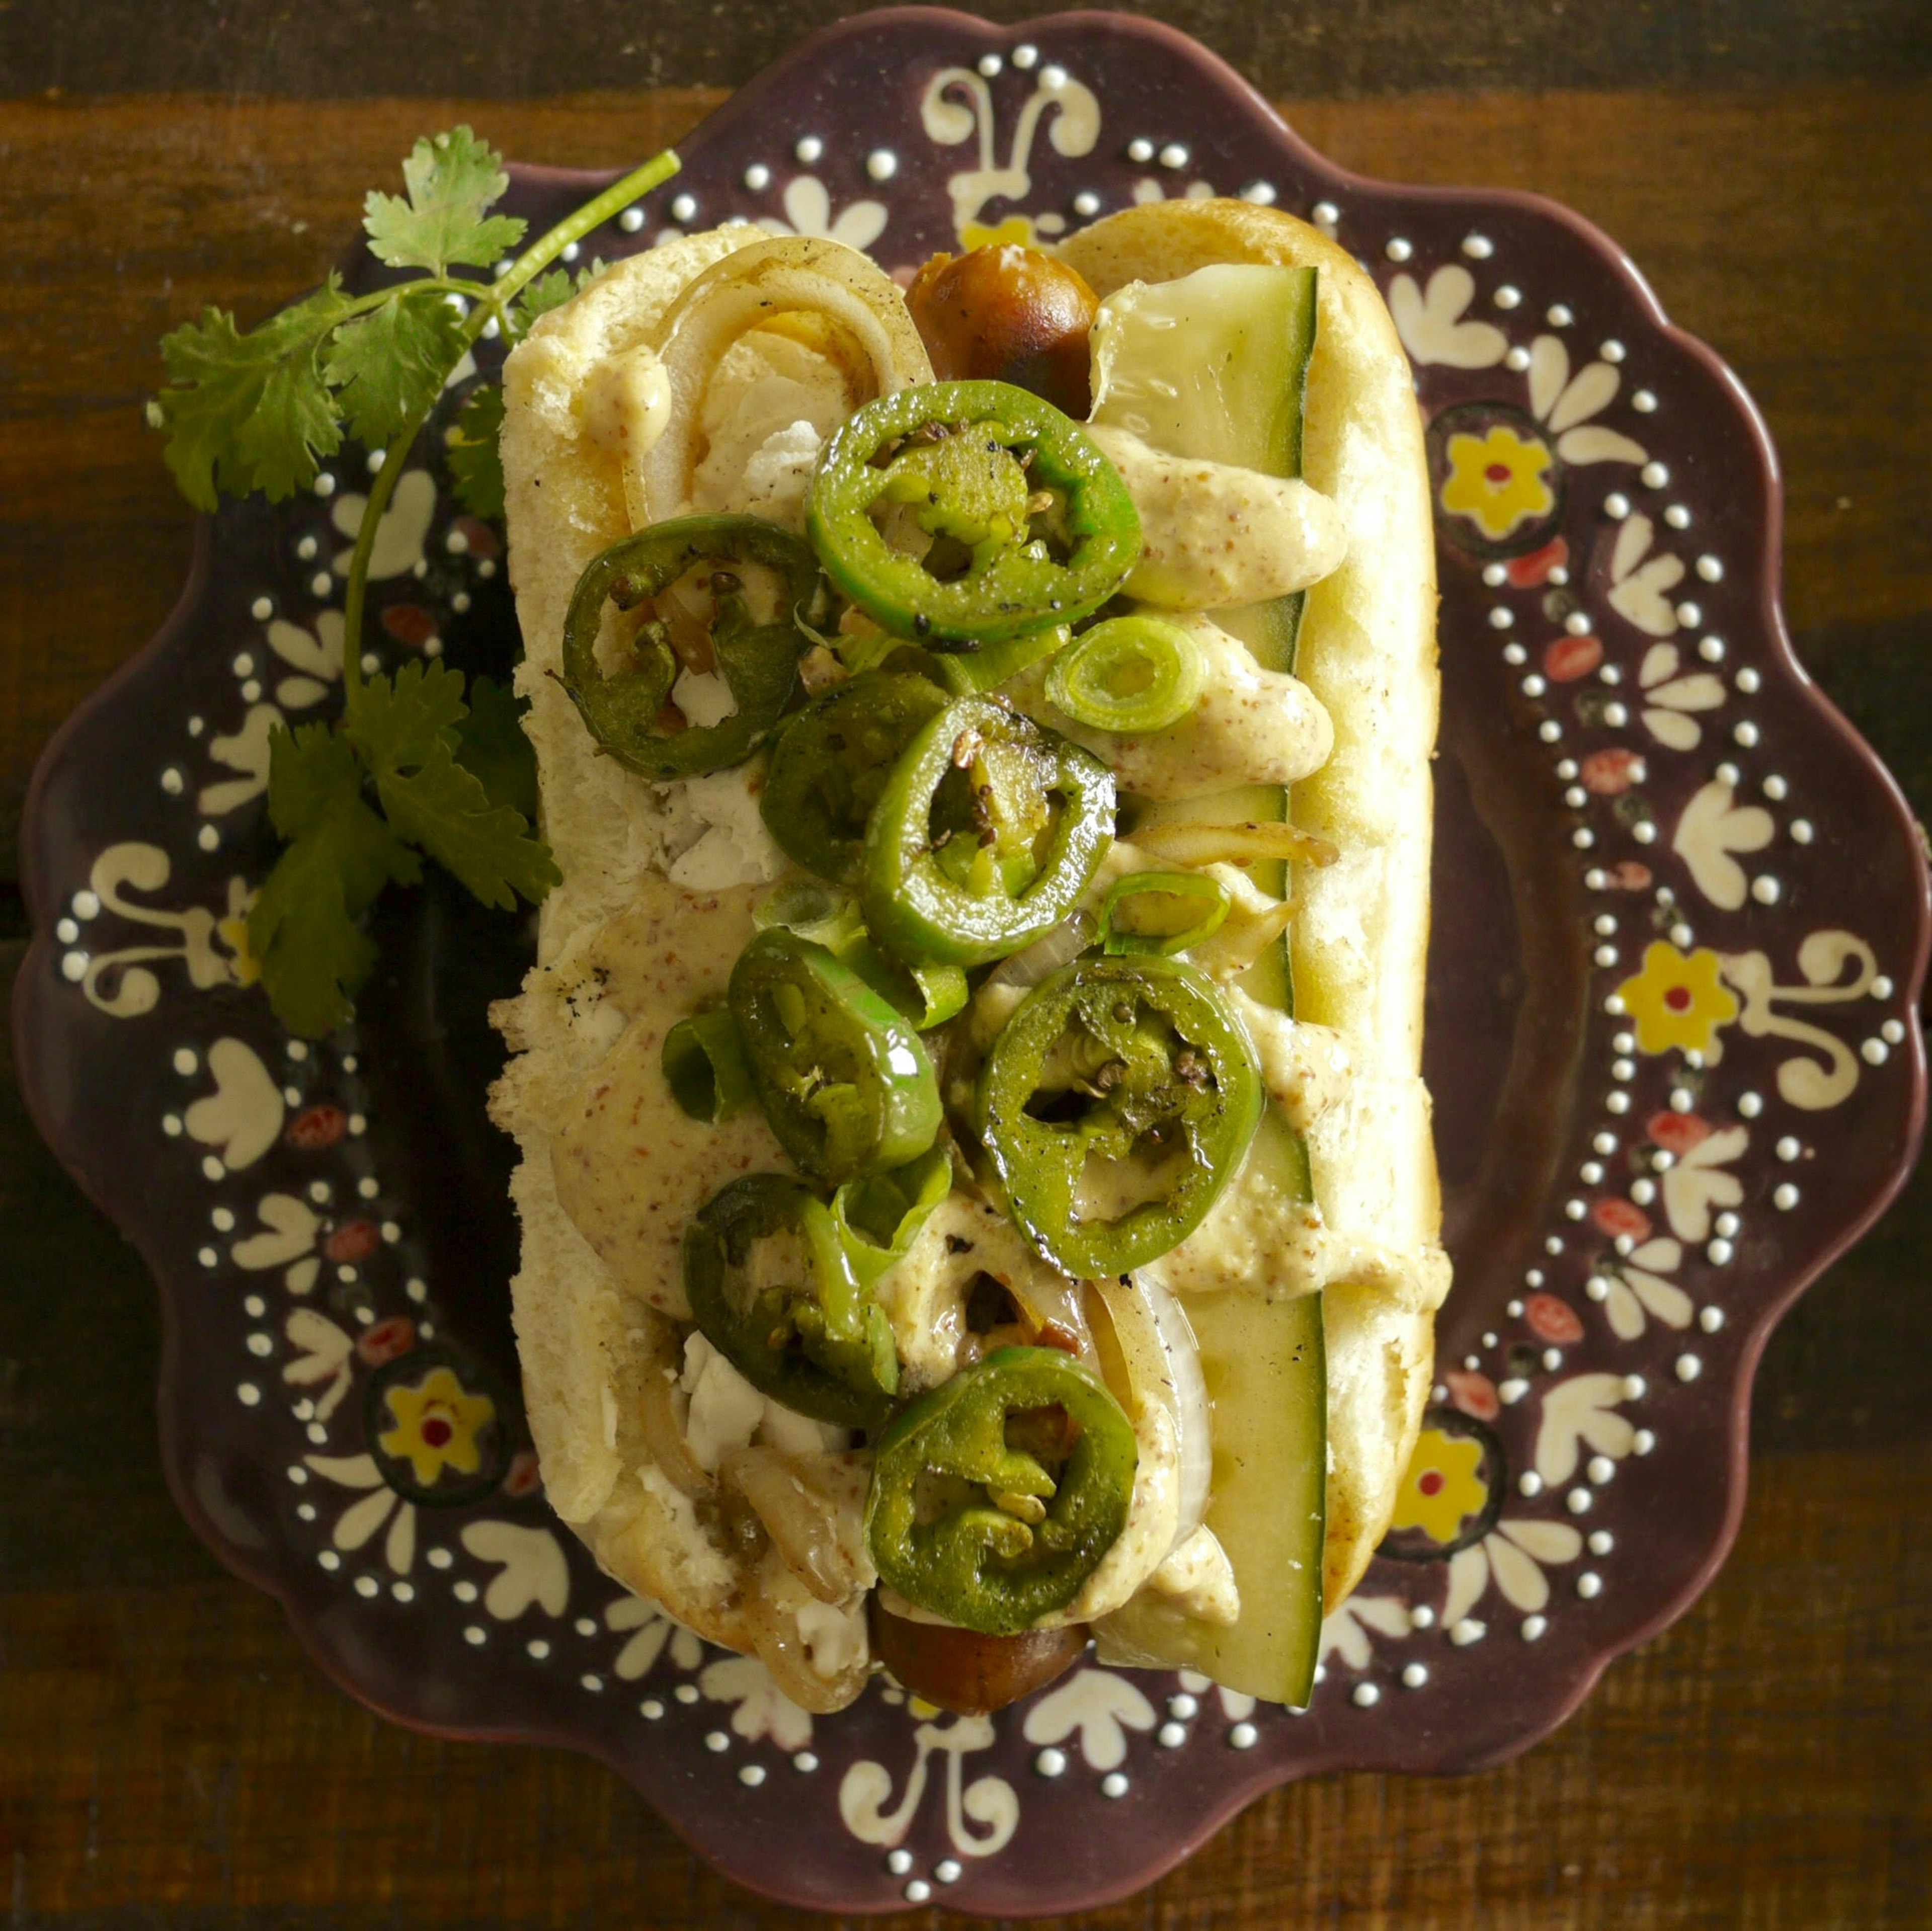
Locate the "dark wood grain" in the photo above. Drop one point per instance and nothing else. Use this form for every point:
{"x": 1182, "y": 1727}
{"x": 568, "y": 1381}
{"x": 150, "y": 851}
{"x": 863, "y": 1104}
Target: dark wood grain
{"x": 167, "y": 1755}
{"x": 1305, "y": 47}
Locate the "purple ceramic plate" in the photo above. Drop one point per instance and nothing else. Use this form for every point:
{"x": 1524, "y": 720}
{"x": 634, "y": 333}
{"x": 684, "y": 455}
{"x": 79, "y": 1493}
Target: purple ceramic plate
{"x": 1680, "y": 930}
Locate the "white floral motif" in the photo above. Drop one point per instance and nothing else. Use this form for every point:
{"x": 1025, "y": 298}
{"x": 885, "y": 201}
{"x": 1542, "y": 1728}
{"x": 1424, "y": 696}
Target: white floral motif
{"x": 990, "y": 1802}
{"x": 1345, "y": 1632}
{"x": 246, "y": 751}
{"x": 315, "y": 657}
{"x": 289, "y": 1229}
{"x": 1237, "y": 1703}
{"x": 399, "y": 536}
{"x": 1637, "y": 1285}
{"x": 1580, "y": 1411}
{"x": 1072, "y": 131}
{"x": 358, "y": 1523}
{"x": 763, "y": 1710}
{"x": 1713, "y": 826}
{"x": 655, "y": 1631}
{"x": 1148, "y": 189}
{"x": 325, "y": 1356}
{"x": 243, "y": 1116}
{"x": 1564, "y": 403}
{"x": 1512, "y": 1555}
{"x": 211, "y": 945}
{"x": 1822, "y": 959}
{"x": 532, "y": 1570}
{"x": 807, "y": 209}
{"x": 1101, "y": 1706}
{"x": 1670, "y": 697}
{"x": 1638, "y": 580}
{"x": 1432, "y": 327}
{"x": 1693, "y": 1184}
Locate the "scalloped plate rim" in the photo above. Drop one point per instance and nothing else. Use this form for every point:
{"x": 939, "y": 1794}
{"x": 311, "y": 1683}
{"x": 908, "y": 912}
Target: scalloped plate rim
{"x": 1237, "y": 1791}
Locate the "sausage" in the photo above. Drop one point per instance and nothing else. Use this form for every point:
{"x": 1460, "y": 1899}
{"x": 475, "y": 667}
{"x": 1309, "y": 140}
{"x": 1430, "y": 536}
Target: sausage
{"x": 968, "y": 1674}
{"x": 1008, "y": 314}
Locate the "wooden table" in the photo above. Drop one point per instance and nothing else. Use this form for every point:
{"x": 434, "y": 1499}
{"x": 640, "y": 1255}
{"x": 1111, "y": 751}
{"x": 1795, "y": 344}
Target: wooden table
{"x": 167, "y": 1757}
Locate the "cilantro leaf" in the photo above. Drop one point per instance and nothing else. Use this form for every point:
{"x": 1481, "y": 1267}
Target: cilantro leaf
{"x": 547, "y": 293}
{"x": 491, "y": 743}
{"x": 451, "y": 179}
{"x": 388, "y": 365}
{"x": 475, "y": 461}
{"x": 539, "y": 298}
{"x": 302, "y": 930}
{"x": 405, "y": 730}
{"x": 249, "y": 411}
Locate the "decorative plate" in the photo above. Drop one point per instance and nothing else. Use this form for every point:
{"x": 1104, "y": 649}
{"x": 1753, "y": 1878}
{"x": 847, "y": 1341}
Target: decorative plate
{"x": 1680, "y": 929}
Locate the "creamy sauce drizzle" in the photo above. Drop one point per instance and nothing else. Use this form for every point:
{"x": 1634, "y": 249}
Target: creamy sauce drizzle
{"x": 1215, "y": 535}
{"x": 631, "y": 1170}
{"x": 1251, "y": 726}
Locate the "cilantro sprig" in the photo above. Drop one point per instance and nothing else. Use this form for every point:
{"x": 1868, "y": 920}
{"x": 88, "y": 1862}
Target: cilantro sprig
{"x": 418, "y": 763}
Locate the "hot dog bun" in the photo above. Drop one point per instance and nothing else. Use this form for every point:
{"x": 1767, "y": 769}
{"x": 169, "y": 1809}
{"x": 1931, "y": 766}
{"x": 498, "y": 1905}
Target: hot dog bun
{"x": 595, "y": 1355}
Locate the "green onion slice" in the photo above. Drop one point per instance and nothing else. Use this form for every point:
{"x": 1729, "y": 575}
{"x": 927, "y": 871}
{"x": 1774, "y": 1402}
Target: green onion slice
{"x": 1136, "y": 674}
{"x": 704, "y": 1065}
{"x": 1164, "y": 912}
{"x": 819, "y": 912}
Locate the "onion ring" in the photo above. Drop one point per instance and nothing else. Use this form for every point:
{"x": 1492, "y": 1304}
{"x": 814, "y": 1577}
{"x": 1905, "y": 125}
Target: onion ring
{"x": 755, "y": 288}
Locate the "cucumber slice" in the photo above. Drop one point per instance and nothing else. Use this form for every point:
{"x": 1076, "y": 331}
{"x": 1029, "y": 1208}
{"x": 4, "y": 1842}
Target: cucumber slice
{"x": 1215, "y": 366}
{"x": 1212, "y": 366}
{"x": 1268, "y": 1380}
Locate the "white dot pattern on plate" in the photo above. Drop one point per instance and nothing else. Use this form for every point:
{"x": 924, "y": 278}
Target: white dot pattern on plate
{"x": 1529, "y": 612}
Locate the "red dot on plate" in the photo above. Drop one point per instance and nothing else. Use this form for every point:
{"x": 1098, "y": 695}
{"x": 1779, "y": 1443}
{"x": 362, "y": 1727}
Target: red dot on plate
{"x": 354, "y": 1241}
{"x": 1552, "y": 1320}
{"x": 1621, "y": 1216}
{"x": 1678, "y": 998}
{"x": 1570, "y": 657}
{"x": 1430, "y": 1481}
{"x": 1497, "y": 472}
{"x": 320, "y": 1126}
{"x": 410, "y": 623}
{"x": 436, "y": 1432}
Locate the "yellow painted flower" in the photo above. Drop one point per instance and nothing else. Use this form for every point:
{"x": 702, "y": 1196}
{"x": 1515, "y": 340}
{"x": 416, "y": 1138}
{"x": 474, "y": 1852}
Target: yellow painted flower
{"x": 1679, "y": 999}
{"x": 233, "y": 932}
{"x": 1015, "y": 228}
{"x": 1499, "y": 481}
{"x": 437, "y": 1422}
{"x": 1444, "y": 1486}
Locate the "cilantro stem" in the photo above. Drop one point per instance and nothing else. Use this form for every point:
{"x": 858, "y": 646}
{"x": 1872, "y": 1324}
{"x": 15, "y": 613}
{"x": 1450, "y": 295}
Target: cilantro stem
{"x": 548, "y": 246}
{"x": 380, "y": 491}
{"x": 489, "y": 304}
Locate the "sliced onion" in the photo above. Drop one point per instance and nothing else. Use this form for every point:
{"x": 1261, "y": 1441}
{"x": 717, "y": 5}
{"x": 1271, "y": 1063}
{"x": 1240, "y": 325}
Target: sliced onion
{"x": 1196, "y": 842}
{"x": 1243, "y": 939}
{"x": 1012, "y": 979}
{"x": 753, "y": 288}
{"x": 1048, "y": 1299}
{"x": 1162, "y": 1365}
{"x": 775, "y": 1602}
{"x": 814, "y": 1511}
{"x": 664, "y": 1432}
{"x": 1046, "y": 955}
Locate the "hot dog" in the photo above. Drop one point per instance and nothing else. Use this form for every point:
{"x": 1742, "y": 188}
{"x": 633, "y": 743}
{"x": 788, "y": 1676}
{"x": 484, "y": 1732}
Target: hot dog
{"x": 981, "y": 1017}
